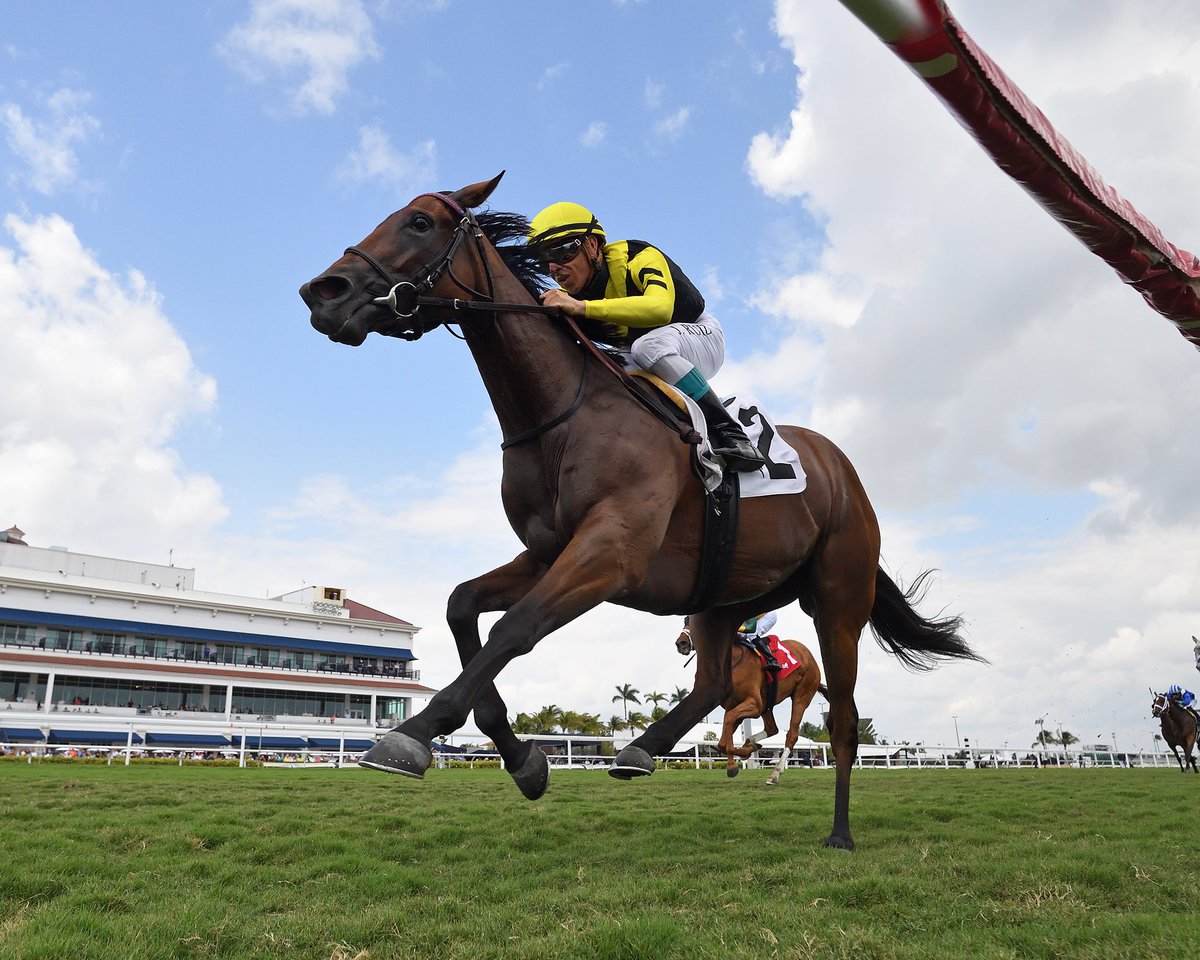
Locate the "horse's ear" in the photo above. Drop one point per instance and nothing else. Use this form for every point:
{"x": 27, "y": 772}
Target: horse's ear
{"x": 476, "y": 193}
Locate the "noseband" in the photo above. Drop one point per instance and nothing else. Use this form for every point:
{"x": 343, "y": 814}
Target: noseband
{"x": 405, "y": 298}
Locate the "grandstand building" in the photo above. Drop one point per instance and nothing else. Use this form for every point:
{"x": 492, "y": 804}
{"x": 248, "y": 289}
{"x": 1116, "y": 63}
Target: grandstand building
{"x": 97, "y": 650}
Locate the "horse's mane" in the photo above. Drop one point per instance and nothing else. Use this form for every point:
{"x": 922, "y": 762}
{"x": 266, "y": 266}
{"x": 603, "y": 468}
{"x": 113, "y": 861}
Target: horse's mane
{"x": 507, "y": 233}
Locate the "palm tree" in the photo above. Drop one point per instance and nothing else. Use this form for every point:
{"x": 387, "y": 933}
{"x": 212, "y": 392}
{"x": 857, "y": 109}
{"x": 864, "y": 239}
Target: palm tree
{"x": 525, "y": 723}
{"x": 548, "y": 718}
{"x": 637, "y": 721}
{"x": 616, "y": 722}
{"x": 678, "y": 695}
{"x": 655, "y": 697}
{"x": 626, "y": 693}
{"x": 1044, "y": 738}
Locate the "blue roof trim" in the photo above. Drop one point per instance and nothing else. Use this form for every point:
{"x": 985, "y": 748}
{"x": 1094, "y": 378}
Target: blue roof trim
{"x": 331, "y": 743}
{"x": 185, "y": 740}
{"x": 31, "y": 617}
{"x": 255, "y": 742}
{"x": 21, "y": 733}
{"x": 92, "y": 736}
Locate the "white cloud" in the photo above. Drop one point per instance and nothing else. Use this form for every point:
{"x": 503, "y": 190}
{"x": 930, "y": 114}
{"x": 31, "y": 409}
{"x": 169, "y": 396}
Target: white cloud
{"x": 594, "y": 135}
{"x": 550, "y": 75}
{"x": 312, "y": 44}
{"x": 672, "y": 127}
{"x": 96, "y": 383}
{"x": 47, "y": 145}
{"x": 653, "y": 93}
{"x": 375, "y": 160}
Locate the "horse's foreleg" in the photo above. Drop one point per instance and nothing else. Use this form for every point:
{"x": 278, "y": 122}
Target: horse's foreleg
{"x": 711, "y": 635}
{"x": 595, "y": 566}
{"x": 748, "y": 708}
{"x": 496, "y": 590}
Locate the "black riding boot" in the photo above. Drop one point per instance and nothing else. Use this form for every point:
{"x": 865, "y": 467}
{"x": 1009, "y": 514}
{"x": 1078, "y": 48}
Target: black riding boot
{"x": 769, "y": 661}
{"x": 729, "y": 440}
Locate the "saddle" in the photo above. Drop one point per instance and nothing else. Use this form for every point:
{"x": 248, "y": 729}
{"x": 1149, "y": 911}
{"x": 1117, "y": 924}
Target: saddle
{"x": 720, "y": 504}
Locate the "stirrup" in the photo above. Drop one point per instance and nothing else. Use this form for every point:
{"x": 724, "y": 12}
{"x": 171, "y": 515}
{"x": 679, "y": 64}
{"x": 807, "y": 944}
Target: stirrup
{"x": 736, "y": 450}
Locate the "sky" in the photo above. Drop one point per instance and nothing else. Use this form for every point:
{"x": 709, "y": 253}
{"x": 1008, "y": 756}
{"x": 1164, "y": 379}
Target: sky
{"x": 1023, "y": 423}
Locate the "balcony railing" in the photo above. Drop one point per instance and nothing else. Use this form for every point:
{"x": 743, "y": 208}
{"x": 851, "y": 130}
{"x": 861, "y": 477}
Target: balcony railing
{"x": 132, "y": 651}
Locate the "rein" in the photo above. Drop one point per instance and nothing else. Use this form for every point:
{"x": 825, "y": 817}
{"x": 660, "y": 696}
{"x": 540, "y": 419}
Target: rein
{"x": 405, "y": 298}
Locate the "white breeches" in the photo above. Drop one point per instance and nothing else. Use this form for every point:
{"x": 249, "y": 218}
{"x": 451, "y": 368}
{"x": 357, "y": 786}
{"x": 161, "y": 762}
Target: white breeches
{"x": 671, "y": 351}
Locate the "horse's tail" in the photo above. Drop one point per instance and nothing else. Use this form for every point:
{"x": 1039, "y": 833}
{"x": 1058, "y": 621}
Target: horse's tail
{"x": 918, "y": 641}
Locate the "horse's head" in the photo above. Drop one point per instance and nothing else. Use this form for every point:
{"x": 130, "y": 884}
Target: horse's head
{"x": 1160, "y": 704}
{"x": 684, "y": 641}
{"x": 374, "y": 286}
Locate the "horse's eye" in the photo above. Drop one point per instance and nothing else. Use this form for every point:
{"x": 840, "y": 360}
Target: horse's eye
{"x": 421, "y": 223}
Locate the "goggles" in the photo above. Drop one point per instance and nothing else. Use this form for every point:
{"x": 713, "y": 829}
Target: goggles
{"x": 561, "y": 253}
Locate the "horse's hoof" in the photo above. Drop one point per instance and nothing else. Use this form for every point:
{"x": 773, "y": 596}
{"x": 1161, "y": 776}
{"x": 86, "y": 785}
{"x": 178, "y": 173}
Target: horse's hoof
{"x": 533, "y": 776}
{"x": 772, "y": 782}
{"x": 839, "y": 843}
{"x": 631, "y": 762}
{"x": 397, "y": 752}
{"x": 732, "y": 771}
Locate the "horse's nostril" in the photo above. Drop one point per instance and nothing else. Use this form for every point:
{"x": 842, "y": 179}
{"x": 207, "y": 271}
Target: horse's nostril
{"x": 330, "y": 288}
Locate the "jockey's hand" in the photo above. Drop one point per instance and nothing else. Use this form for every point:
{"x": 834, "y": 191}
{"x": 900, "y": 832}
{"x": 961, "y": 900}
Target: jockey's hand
{"x": 564, "y": 301}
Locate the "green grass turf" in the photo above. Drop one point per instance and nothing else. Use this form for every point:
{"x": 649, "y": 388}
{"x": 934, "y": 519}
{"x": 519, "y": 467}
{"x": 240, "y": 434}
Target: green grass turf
{"x": 170, "y": 862}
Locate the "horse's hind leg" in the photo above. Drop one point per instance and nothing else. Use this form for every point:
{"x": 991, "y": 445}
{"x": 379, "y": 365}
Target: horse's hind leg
{"x": 496, "y": 590}
{"x": 841, "y": 593}
{"x": 801, "y": 698}
{"x": 712, "y": 636}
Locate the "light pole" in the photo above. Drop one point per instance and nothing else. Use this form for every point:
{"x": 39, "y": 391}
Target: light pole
{"x": 956, "y": 737}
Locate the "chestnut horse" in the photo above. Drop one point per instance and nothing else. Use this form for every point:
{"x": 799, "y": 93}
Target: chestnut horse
{"x": 1178, "y": 729}
{"x": 754, "y": 695}
{"x": 605, "y": 501}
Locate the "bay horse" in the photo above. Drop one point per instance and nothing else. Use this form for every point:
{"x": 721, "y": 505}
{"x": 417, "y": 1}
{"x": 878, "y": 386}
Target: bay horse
{"x": 755, "y": 694}
{"x": 1178, "y": 729}
{"x": 604, "y": 500}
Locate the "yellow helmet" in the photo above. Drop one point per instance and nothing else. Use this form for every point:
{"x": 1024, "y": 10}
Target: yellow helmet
{"x": 563, "y": 220}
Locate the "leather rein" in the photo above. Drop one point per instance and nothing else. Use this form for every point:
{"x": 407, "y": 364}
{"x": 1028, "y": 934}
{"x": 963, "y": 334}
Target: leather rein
{"x": 405, "y": 298}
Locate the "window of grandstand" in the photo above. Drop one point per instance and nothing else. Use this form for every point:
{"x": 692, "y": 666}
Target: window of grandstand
{"x": 299, "y": 703}
{"x": 16, "y": 634}
{"x": 15, "y": 686}
{"x": 117, "y": 692}
{"x": 64, "y": 639}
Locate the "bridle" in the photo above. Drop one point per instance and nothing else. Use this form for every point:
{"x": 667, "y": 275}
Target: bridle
{"x": 405, "y": 298}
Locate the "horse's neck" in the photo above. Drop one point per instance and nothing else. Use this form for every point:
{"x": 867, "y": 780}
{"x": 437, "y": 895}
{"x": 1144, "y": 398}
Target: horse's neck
{"x": 530, "y": 366}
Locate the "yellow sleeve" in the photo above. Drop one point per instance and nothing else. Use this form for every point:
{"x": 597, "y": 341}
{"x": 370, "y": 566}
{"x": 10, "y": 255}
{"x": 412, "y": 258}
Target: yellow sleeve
{"x": 647, "y": 272}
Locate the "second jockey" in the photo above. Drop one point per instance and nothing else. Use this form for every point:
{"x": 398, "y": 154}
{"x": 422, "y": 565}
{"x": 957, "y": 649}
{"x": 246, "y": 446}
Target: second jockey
{"x": 755, "y": 631}
{"x": 1185, "y": 698}
{"x": 632, "y": 296}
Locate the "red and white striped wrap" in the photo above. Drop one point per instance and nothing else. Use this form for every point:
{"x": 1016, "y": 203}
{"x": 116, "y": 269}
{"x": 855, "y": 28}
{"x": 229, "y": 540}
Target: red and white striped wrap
{"x": 1025, "y": 145}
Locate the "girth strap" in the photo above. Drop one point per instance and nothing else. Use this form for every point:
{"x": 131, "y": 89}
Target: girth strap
{"x": 720, "y": 538}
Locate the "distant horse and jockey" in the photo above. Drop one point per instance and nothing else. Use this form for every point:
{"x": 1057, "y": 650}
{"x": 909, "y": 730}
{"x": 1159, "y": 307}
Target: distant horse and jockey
{"x": 606, "y": 501}
{"x": 756, "y": 691}
{"x": 1179, "y": 726}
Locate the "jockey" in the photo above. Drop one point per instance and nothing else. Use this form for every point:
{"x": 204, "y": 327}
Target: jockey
{"x": 755, "y": 631}
{"x": 631, "y": 295}
{"x": 1185, "y": 698}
